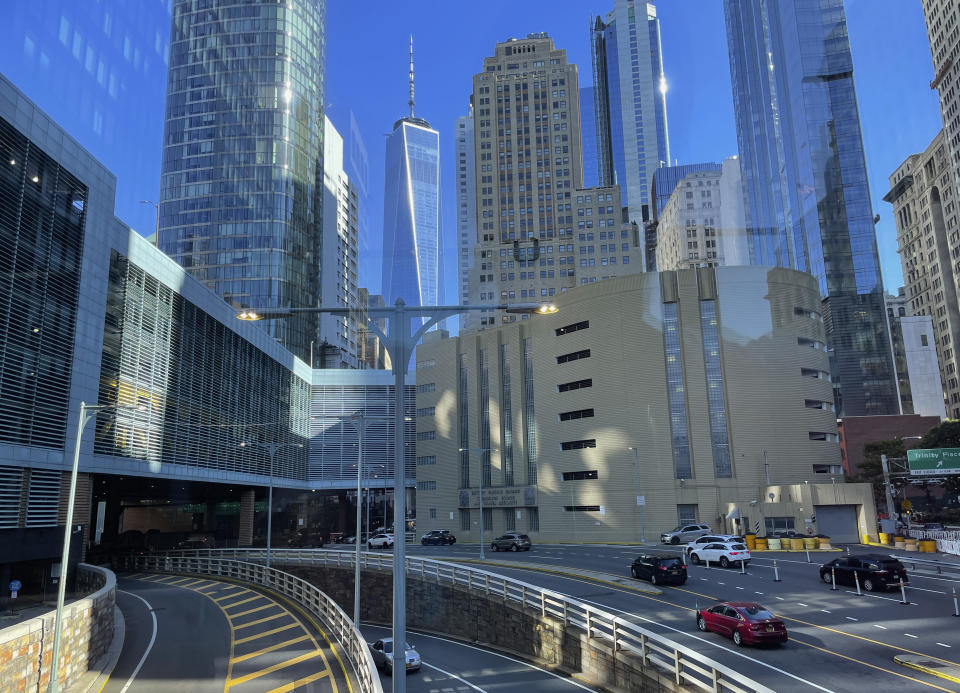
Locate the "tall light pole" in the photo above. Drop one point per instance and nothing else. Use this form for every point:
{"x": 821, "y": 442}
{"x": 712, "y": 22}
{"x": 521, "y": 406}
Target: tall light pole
{"x": 479, "y": 453}
{"x": 640, "y": 499}
{"x": 271, "y": 448}
{"x": 87, "y": 412}
{"x": 400, "y": 343}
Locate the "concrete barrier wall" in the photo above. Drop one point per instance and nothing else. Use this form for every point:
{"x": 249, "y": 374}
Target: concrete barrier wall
{"x": 491, "y": 621}
{"x": 26, "y": 649}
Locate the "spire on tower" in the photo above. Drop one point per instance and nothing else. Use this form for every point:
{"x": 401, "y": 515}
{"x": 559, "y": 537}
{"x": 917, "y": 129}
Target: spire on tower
{"x": 411, "y": 102}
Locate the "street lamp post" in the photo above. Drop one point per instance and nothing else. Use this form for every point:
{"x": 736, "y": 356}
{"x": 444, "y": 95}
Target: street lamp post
{"x": 271, "y": 449}
{"x": 87, "y": 412}
{"x": 636, "y": 457}
{"x": 400, "y": 343}
{"x": 479, "y": 453}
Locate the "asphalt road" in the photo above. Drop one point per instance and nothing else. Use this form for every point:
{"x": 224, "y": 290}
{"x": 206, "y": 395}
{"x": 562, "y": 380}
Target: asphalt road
{"x": 838, "y": 641}
{"x": 452, "y": 667}
{"x": 203, "y": 635}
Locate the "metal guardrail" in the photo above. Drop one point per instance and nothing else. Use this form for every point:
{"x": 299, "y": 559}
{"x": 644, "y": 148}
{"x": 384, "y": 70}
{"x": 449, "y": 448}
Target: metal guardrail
{"x": 213, "y": 562}
{"x": 924, "y": 563}
{"x": 687, "y": 666}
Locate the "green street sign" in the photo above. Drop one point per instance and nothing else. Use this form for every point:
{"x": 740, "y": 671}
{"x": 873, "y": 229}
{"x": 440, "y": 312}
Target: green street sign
{"x": 934, "y": 462}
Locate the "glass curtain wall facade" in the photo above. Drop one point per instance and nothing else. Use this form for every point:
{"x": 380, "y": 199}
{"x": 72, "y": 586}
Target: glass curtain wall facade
{"x": 411, "y": 214}
{"x": 42, "y": 226}
{"x": 805, "y": 182}
{"x": 241, "y": 190}
{"x": 630, "y": 107}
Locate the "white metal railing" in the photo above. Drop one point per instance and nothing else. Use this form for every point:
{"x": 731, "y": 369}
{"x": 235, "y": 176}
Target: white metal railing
{"x": 216, "y": 563}
{"x": 948, "y": 540}
{"x": 687, "y": 666}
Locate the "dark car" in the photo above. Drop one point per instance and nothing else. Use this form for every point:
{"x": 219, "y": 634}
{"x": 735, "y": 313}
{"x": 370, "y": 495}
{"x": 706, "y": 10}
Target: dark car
{"x": 511, "y": 541}
{"x": 746, "y": 622}
{"x": 875, "y": 571}
{"x": 659, "y": 569}
{"x": 440, "y": 537}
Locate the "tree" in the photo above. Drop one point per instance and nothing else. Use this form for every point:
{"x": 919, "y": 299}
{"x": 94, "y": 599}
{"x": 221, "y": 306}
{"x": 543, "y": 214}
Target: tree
{"x": 871, "y": 470}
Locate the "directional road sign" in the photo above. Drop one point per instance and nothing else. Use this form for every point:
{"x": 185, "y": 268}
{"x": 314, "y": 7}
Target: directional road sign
{"x": 934, "y": 462}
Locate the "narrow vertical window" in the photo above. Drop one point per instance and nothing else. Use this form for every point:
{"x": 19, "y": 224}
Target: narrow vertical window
{"x": 676, "y": 392}
{"x": 715, "y": 398}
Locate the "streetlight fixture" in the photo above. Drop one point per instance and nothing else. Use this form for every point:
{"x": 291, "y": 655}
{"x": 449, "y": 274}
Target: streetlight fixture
{"x": 640, "y": 499}
{"x": 400, "y": 343}
{"x": 479, "y": 453}
{"x": 87, "y": 412}
{"x": 271, "y": 448}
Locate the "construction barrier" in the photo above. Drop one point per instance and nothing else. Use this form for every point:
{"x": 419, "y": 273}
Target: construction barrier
{"x": 761, "y": 543}
{"x": 810, "y": 542}
{"x": 824, "y": 542}
{"x": 885, "y": 538}
{"x": 751, "y": 540}
{"x": 773, "y": 543}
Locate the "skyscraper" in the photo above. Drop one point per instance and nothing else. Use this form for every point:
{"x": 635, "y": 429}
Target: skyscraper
{"x": 539, "y": 231}
{"x": 411, "y": 210}
{"x": 242, "y": 184}
{"x": 940, "y": 17}
{"x": 805, "y": 180}
{"x": 466, "y": 203}
{"x": 630, "y": 101}
{"x": 588, "y": 138}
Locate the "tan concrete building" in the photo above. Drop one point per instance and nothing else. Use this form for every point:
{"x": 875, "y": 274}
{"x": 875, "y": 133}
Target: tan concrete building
{"x": 928, "y": 241}
{"x": 531, "y": 208}
{"x": 941, "y": 17}
{"x": 695, "y": 392}
{"x": 702, "y": 224}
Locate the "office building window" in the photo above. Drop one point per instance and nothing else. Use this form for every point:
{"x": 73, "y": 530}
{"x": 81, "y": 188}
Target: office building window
{"x": 465, "y": 519}
{"x": 676, "y": 392}
{"x": 528, "y": 413}
{"x": 581, "y": 476}
{"x": 687, "y": 514}
{"x": 717, "y": 403}
{"x": 506, "y": 421}
{"x": 578, "y": 444}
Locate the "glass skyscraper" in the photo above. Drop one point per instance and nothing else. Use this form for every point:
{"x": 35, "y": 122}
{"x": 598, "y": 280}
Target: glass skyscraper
{"x": 242, "y": 186}
{"x": 629, "y": 101}
{"x": 805, "y": 180}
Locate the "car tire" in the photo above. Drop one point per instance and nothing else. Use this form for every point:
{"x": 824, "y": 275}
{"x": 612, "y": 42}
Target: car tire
{"x": 737, "y": 638}
{"x": 633, "y": 572}
{"x": 369, "y": 546}
{"x": 653, "y": 579}
{"x": 494, "y": 547}
{"x": 869, "y": 585}
{"x": 724, "y": 562}
{"x": 826, "y": 578}
{"x": 702, "y": 623}
{"x": 514, "y": 548}
{"x": 683, "y": 581}
{"x": 674, "y": 540}
{"x": 695, "y": 559}
{"x": 423, "y": 542}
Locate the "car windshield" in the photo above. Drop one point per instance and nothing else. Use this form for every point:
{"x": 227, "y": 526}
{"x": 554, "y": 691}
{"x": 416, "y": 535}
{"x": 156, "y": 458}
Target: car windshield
{"x": 670, "y": 563}
{"x": 757, "y": 613}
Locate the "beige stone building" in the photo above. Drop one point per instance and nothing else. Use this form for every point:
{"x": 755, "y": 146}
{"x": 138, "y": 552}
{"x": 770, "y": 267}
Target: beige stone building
{"x": 941, "y": 17}
{"x": 532, "y": 211}
{"x": 928, "y": 240}
{"x": 702, "y": 224}
{"x": 698, "y": 393}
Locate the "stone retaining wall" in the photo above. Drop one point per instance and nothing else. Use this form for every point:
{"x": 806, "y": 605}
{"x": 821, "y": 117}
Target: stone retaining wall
{"x": 26, "y": 649}
{"x": 491, "y": 621}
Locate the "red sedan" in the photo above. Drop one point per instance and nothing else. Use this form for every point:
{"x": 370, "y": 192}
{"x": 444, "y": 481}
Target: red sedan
{"x": 745, "y": 622}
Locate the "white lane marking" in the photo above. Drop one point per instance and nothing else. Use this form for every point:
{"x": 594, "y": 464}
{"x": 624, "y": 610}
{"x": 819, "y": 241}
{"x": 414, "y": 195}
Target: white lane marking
{"x": 740, "y": 588}
{"x": 910, "y": 635}
{"x": 941, "y": 644}
{"x": 780, "y": 598}
{"x": 153, "y": 639}
{"x": 801, "y": 604}
{"x": 851, "y": 618}
{"x": 877, "y": 596}
{"x": 921, "y": 589}
{"x": 826, "y": 611}
{"x": 707, "y": 642}
{"x": 758, "y": 592}
{"x": 721, "y": 583}
{"x": 496, "y": 654}
{"x": 877, "y": 625}
{"x": 453, "y": 676}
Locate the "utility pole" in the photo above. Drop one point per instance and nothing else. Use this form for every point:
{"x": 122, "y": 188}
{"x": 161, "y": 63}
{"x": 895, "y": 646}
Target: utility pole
{"x": 891, "y": 513}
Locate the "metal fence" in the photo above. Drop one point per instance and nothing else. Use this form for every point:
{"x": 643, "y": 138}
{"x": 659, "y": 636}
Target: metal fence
{"x": 686, "y": 666}
{"x": 948, "y": 540}
{"x": 217, "y": 563}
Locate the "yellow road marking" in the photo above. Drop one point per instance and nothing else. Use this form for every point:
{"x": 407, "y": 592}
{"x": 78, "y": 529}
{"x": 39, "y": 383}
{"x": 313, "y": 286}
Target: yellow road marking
{"x": 262, "y": 620}
{"x": 275, "y": 667}
{"x": 190, "y": 585}
{"x": 309, "y": 617}
{"x": 252, "y": 611}
{"x": 302, "y": 682}
{"x": 178, "y": 581}
{"x": 872, "y": 666}
{"x": 232, "y": 594}
{"x": 250, "y": 638}
{"x": 242, "y": 601}
{"x": 270, "y": 648}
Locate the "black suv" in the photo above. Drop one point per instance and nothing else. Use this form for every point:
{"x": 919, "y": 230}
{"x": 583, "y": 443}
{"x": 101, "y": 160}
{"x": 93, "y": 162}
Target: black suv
{"x": 659, "y": 569}
{"x": 442, "y": 537}
{"x": 511, "y": 541}
{"x": 875, "y": 571}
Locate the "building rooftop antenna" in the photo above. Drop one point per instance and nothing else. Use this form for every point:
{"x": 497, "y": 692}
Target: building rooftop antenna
{"x": 411, "y": 101}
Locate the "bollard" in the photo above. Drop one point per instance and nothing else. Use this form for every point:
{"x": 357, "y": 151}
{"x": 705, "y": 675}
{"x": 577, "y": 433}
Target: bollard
{"x": 956, "y": 609}
{"x": 743, "y": 567}
{"x": 708, "y": 564}
{"x": 833, "y": 579}
{"x": 856, "y": 581}
{"x": 776, "y": 572}
{"x": 848, "y": 550}
{"x": 903, "y": 592}
{"x": 808, "y": 553}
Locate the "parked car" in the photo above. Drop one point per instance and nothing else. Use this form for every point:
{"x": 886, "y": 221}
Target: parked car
{"x": 747, "y": 623}
{"x": 710, "y": 539}
{"x": 382, "y": 652}
{"x": 875, "y": 571}
{"x": 684, "y": 534}
{"x": 442, "y": 537}
{"x": 511, "y": 541}
{"x": 723, "y": 553}
{"x": 659, "y": 569}
{"x": 381, "y": 540}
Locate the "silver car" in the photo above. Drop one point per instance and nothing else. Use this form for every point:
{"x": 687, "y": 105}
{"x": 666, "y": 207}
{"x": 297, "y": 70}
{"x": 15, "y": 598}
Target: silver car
{"x": 684, "y": 533}
{"x": 382, "y": 653}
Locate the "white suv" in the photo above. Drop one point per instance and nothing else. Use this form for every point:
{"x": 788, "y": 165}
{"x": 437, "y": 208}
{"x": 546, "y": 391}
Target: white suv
{"x": 382, "y": 540}
{"x": 684, "y": 533}
{"x": 712, "y": 539}
{"x": 722, "y": 553}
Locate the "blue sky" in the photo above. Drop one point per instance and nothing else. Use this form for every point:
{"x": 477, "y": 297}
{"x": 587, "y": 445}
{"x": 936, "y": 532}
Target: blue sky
{"x": 367, "y": 72}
